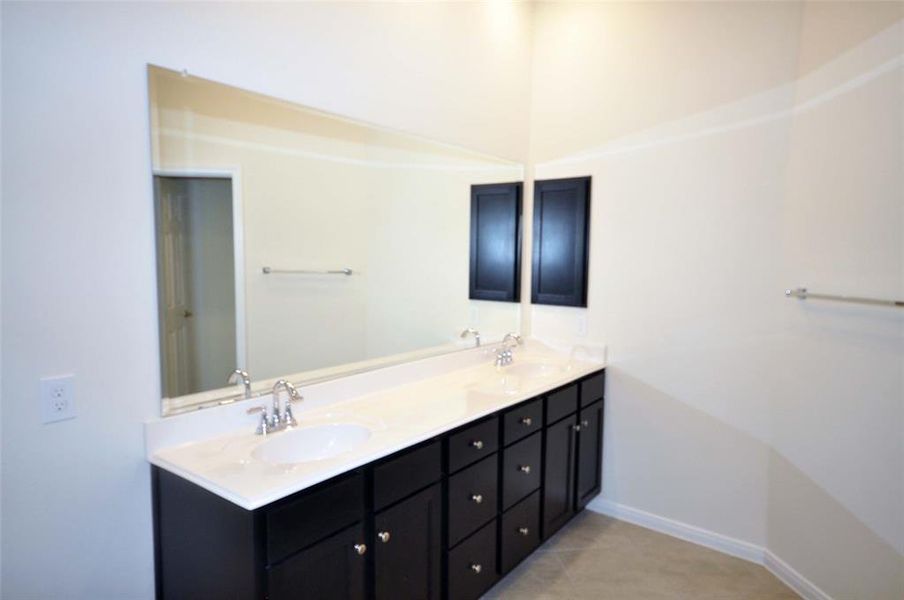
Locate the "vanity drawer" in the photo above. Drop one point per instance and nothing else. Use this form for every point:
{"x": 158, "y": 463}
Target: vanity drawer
{"x": 521, "y": 469}
{"x": 520, "y": 532}
{"x": 298, "y": 523}
{"x": 522, "y": 421}
{"x": 473, "y": 443}
{"x": 407, "y": 473}
{"x": 562, "y": 403}
{"x": 472, "y": 566}
{"x": 472, "y": 498}
{"x": 592, "y": 389}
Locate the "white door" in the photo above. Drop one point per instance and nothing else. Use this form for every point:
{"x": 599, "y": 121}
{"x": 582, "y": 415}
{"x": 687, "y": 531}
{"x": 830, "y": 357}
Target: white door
{"x": 173, "y": 279}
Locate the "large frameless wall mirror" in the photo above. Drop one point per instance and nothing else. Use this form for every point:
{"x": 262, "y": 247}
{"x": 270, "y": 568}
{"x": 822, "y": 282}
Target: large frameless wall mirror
{"x": 293, "y": 243}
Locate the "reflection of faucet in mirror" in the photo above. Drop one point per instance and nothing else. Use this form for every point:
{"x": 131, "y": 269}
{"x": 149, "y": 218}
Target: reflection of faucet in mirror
{"x": 504, "y": 355}
{"x": 474, "y": 332}
{"x": 240, "y": 376}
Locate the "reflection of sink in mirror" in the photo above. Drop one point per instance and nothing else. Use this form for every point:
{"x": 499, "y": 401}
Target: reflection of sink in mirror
{"x": 533, "y": 370}
{"x": 311, "y": 443}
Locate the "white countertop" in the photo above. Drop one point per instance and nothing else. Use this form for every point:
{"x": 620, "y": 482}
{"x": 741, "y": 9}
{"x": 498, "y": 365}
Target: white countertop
{"x": 402, "y": 406}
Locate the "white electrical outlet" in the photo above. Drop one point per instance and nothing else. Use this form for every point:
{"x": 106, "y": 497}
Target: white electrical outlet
{"x": 582, "y": 326}
{"x": 58, "y": 398}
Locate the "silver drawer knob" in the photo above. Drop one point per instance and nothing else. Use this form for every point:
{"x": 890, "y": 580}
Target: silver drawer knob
{"x": 360, "y": 549}
{"x": 527, "y": 421}
{"x": 585, "y": 423}
{"x": 478, "y": 498}
{"x": 577, "y": 427}
{"x": 477, "y": 444}
{"x": 384, "y": 536}
{"x": 476, "y": 567}
{"x": 523, "y": 530}
{"x": 524, "y": 469}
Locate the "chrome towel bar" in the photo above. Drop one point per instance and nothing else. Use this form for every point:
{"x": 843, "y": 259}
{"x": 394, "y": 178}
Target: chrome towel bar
{"x": 802, "y": 293}
{"x": 269, "y": 270}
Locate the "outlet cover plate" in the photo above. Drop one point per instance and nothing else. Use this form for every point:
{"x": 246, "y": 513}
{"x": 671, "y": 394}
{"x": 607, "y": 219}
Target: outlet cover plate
{"x": 58, "y": 398}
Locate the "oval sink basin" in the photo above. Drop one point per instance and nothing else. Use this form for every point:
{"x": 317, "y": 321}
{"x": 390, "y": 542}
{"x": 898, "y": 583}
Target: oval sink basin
{"x": 308, "y": 444}
{"x": 530, "y": 370}
{"x": 506, "y": 385}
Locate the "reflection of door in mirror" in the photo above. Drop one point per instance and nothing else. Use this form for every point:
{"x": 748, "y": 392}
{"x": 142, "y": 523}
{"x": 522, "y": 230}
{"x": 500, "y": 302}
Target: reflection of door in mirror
{"x": 196, "y": 277}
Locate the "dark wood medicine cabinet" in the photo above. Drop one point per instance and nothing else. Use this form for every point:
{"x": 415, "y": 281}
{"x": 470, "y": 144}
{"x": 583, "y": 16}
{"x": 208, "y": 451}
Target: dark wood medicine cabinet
{"x": 561, "y": 242}
{"x": 561, "y": 235}
{"x": 496, "y": 242}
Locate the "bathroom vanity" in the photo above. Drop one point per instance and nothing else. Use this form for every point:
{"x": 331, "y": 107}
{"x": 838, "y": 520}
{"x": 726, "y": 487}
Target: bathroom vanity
{"x": 444, "y": 517}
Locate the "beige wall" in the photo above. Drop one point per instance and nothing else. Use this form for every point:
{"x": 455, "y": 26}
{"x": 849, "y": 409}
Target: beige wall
{"x": 737, "y": 150}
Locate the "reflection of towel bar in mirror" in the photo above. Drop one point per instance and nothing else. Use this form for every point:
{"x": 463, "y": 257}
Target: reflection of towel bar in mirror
{"x": 802, "y": 293}
{"x": 269, "y": 270}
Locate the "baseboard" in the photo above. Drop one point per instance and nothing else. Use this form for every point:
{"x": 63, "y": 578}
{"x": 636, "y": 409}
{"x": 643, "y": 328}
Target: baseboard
{"x": 792, "y": 578}
{"x": 716, "y": 541}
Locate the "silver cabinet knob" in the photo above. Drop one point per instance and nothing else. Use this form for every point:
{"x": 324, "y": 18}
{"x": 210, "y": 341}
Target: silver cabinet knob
{"x": 585, "y": 423}
{"x": 476, "y": 567}
{"x": 577, "y": 427}
{"x": 524, "y": 469}
{"x": 477, "y": 498}
{"x": 523, "y": 530}
{"x": 527, "y": 421}
{"x": 477, "y": 444}
{"x": 360, "y": 549}
{"x": 384, "y": 536}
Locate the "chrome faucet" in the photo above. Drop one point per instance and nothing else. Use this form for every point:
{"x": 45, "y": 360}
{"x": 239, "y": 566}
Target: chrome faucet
{"x": 504, "y": 355}
{"x": 510, "y": 338}
{"x": 280, "y": 416}
{"x": 474, "y": 332}
{"x": 238, "y": 376}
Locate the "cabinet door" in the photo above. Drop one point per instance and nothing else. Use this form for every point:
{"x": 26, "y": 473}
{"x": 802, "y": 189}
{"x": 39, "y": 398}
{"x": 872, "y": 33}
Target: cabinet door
{"x": 590, "y": 454}
{"x": 333, "y": 568}
{"x": 558, "y": 476}
{"x": 560, "y": 256}
{"x": 408, "y": 549}
{"x": 496, "y": 242}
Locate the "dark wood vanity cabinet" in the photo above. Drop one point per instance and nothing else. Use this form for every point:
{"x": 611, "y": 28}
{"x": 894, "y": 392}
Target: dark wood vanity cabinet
{"x": 589, "y": 454}
{"x": 331, "y": 568}
{"x": 558, "y": 477}
{"x": 408, "y": 548}
{"x": 444, "y": 520}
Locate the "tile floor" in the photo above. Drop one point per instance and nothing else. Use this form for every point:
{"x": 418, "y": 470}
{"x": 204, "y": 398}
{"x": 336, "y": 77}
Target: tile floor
{"x": 596, "y": 557}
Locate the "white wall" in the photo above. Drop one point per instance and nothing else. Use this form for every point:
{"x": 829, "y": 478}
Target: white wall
{"x": 737, "y": 150}
{"x": 78, "y": 246}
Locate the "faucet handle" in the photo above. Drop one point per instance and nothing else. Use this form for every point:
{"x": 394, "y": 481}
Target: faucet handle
{"x": 288, "y": 418}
